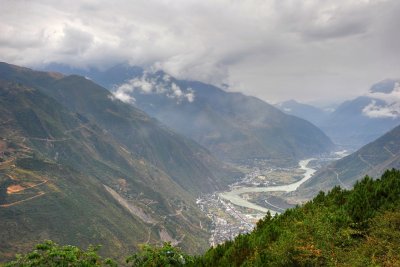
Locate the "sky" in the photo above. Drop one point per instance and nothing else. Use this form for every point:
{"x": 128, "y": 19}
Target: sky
{"x": 312, "y": 51}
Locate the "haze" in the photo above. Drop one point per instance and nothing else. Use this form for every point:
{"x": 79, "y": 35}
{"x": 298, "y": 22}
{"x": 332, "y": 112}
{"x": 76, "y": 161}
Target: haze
{"x": 276, "y": 50}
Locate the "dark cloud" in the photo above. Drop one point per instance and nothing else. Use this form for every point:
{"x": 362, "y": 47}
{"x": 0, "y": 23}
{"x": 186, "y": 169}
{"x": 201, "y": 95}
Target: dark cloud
{"x": 273, "y": 49}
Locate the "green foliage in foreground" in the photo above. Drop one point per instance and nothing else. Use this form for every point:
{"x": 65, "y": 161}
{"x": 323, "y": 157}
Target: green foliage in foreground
{"x": 360, "y": 227}
{"x": 159, "y": 256}
{"x": 51, "y": 254}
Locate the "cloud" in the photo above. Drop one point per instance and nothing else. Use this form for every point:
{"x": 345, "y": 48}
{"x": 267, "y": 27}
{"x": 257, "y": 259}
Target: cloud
{"x": 75, "y": 41}
{"x": 274, "y": 49}
{"x": 373, "y": 110}
{"x": 123, "y": 93}
{"x": 390, "y": 107}
{"x": 321, "y": 21}
{"x": 153, "y": 83}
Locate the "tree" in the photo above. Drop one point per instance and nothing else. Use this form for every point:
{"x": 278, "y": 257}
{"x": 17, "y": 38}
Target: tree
{"x": 49, "y": 253}
{"x": 167, "y": 255}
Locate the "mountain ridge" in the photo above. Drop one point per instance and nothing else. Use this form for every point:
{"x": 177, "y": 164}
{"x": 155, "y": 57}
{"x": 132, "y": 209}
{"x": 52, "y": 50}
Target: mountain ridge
{"x": 232, "y": 126}
{"x": 128, "y": 124}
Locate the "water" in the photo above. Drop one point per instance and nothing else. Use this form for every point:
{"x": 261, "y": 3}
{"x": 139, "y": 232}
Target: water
{"x": 234, "y": 194}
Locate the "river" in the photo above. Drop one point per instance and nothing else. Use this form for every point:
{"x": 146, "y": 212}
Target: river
{"x": 234, "y": 194}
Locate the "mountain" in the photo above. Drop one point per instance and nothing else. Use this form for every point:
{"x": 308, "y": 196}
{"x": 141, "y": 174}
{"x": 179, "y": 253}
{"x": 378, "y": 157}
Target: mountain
{"x": 308, "y": 112}
{"x": 386, "y": 86}
{"x": 79, "y": 167}
{"x": 234, "y": 127}
{"x": 372, "y": 159}
{"x": 140, "y": 134}
{"x": 361, "y": 120}
{"x": 106, "y": 78}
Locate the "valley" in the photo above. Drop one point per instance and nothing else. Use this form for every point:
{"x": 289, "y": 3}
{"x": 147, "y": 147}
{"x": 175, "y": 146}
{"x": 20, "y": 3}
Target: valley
{"x": 68, "y": 147}
{"x": 264, "y": 189}
{"x": 143, "y": 132}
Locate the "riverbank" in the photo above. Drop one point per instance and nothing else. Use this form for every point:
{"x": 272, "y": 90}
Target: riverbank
{"x": 234, "y": 195}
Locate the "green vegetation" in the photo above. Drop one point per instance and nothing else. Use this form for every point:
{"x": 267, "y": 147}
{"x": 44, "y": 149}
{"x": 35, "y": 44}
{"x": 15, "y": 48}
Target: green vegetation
{"x": 166, "y": 255}
{"x": 359, "y": 227}
{"x": 49, "y": 253}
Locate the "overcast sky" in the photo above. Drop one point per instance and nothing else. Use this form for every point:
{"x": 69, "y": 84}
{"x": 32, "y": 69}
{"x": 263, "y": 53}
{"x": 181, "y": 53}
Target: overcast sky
{"x": 302, "y": 49}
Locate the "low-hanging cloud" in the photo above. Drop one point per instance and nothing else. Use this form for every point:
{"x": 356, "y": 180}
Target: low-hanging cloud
{"x": 389, "y": 106}
{"x": 267, "y": 48}
{"x": 153, "y": 84}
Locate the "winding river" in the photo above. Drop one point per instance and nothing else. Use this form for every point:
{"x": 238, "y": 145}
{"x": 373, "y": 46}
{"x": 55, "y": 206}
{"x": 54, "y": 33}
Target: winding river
{"x": 234, "y": 195}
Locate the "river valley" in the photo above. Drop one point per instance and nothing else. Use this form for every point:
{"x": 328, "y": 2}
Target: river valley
{"x": 262, "y": 190}
{"x": 234, "y": 195}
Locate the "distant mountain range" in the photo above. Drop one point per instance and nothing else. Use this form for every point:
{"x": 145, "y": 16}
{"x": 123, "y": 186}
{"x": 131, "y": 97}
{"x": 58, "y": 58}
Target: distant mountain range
{"x": 359, "y": 121}
{"x": 308, "y": 112}
{"x": 372, "y": 159}
{"x": 365, "y": 118}
{"x": 81, "y": 167}
{"x": 234, "y": 127}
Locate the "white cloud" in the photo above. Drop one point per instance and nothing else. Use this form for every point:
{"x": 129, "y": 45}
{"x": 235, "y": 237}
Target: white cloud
{"x": 190, "y": 95}
{"x": 390, "y": 107}
{"x": 153, "y": 84}
{"x": 274, "y": 49}
{"x": 123, "y": 93}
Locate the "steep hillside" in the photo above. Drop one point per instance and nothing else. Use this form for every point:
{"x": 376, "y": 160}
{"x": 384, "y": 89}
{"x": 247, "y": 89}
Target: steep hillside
{"x": 372, "y": 159}
{"x": 141, "y": 135}
{"x": 232, "y": 126}
{"x": 82, "y": 168}
{"x": 62, "y": 177}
